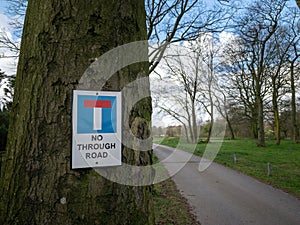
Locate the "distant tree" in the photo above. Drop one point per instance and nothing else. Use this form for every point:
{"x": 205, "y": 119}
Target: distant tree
{"x": 171, "y": 21}
{"x": 4, "y": 121}
{"x": 293, "y": 63}
{"x": 190, "y": 72}
{"x": 285, "y": 40}
{"x": 237, "y": 82}
{"x": 256, "y": 27}
{"x": 7, "y": 83}
{"x": 223, "y": 105}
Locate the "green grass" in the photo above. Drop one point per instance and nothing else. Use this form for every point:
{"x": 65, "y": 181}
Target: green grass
{"x": 170, "y": 207}
{"x": 252, "y": 160}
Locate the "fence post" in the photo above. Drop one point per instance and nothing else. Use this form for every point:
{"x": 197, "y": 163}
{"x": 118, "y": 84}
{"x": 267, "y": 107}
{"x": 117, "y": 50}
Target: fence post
{"x": 269, "y": 169}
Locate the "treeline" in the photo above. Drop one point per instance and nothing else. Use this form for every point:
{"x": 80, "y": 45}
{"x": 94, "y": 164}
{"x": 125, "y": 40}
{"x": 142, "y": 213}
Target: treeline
{"x": 241, "y": 125}
{"x": 248, "y": 75}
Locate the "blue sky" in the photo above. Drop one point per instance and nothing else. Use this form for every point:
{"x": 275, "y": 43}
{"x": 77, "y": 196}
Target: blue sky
{"x": 7, "y": 65}
{"x": 3, "y": 5}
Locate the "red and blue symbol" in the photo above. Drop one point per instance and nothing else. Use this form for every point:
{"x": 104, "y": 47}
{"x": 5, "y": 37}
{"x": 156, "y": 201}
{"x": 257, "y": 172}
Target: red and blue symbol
{"x": 96, "y": 114}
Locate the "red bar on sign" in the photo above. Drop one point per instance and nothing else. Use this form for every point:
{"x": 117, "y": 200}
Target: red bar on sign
{"x": 97, "y": 104}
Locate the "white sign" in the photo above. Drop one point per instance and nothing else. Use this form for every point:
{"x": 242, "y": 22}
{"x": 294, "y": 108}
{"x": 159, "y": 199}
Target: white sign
{"x": 96, "y": 120}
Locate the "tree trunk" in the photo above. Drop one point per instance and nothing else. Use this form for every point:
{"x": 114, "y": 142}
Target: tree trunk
{"x": 295, "y": 132}
{"x": 186, "y": 132}
{"x": 194, "y": 124}
{"x": 232, "y": 136}
{"x": 260, "y": 122}
{"x": 60, "y": 40}
{"x": 254, "y": 128}
{"x": 211, "y": 114}
{"x": 276, "y": 110}
{"x": 277, "y": 123}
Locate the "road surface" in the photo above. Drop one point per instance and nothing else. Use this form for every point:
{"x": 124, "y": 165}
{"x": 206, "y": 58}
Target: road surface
{"x": 222, "y": 196}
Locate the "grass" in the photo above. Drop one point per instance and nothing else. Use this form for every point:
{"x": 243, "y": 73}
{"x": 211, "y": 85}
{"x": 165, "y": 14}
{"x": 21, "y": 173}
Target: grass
{"x": 170, "y": 207}
{"x": 252, "y": 160}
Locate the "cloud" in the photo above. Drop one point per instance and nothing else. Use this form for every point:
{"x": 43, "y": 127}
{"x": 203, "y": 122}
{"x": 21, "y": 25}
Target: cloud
{"x": 7, "y": 64}
{"x": 4, "y": 20}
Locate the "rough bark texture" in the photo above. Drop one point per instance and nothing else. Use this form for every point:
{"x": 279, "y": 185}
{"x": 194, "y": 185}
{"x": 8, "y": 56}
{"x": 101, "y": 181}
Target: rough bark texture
{"x": 295, "y": 131}
{"x": 60, "y": 40}
{"x": 276, "y": 115}
{"x": 260, "y": 123}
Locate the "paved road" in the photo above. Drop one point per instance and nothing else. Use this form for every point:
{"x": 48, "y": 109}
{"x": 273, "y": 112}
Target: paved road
{"x": 222, "y": 196}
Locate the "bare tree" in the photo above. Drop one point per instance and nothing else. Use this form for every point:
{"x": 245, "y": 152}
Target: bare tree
{"x": 278, "y": 49}
{"x": 7, "y": 83}
{"x": 180, "y": 101}
{"x": 256, "y": 29}
{"x": 209, "y": 89}
{"x": 191, "y": 68}
{"x": 223, "y": 106}
{"x": 181, "y": 20}
{"x": 293, "y": 61}
{"x": 237, "y": 82}
{"x": 16, "y": 10}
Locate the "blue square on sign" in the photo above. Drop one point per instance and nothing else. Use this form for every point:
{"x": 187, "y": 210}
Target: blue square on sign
{"x": 96, "y": 114}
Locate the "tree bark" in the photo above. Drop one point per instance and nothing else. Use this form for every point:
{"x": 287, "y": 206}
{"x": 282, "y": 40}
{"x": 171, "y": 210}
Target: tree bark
{"x": 276, "y": 109}
{"x": 231, "y": 131}
{"x": 60, "y": 40}
{"x": 194, "y": 124}
{"x": 260, "y": 122}
{"x": 295, "y": 131}
{"x": 276, "y": 119}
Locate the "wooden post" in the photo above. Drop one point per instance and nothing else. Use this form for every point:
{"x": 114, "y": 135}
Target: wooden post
{"x": 269, "y": 169}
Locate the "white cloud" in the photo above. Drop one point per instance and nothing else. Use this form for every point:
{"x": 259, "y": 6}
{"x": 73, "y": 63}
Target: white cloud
{"x": 7, "y": 64}
{"x": 4, "y": 20}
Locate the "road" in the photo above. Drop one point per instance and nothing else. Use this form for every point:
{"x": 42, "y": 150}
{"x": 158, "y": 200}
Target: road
{"x": 222, "y": 196}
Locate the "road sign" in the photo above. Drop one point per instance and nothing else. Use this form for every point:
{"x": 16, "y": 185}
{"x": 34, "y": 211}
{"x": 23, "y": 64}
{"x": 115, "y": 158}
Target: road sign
{"x": 96, "y": 120}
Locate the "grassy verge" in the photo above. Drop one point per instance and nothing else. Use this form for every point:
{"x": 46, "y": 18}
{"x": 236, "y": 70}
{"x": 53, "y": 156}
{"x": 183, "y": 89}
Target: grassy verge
{"x": 284, "y": 160}
{"x": 170, "y": 207}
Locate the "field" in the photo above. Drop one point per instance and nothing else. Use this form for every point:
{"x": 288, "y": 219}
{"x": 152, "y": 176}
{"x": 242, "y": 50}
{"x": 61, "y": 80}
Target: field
{"x": 283, "y": 160}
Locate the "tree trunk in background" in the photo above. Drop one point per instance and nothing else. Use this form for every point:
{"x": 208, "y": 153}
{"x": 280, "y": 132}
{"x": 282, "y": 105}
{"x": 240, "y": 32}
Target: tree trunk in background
{"x": 295, "y": 131}
{"x": 260, "y": 122}
{"x": 276, "y": 111}
{"x": 194, "y": 124}
{"x": 60, "y": 40}
{"x": 276, "y": 120}
{"x": 231, "y": 131}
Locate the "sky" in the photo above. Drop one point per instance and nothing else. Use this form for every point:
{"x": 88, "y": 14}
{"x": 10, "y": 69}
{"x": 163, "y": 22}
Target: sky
{"x": 8, "y": 65}
{"x": 3, "y": 5}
